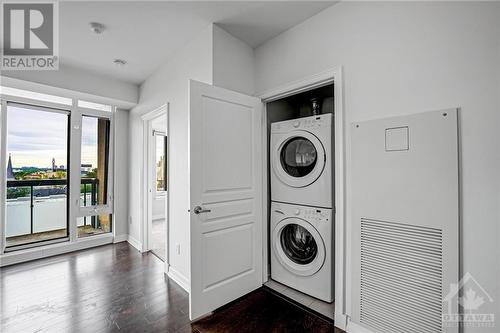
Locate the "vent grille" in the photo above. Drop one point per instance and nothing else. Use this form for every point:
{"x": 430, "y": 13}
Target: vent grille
{"x": 401, "y": 277}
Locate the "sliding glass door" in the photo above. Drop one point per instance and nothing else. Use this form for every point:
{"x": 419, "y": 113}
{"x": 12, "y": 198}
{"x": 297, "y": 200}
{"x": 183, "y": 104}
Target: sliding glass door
{"x": 36, "y": 200}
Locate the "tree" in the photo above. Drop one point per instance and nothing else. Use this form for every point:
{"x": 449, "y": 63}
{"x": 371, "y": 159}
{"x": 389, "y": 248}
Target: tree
{"x": 92, "y": 174}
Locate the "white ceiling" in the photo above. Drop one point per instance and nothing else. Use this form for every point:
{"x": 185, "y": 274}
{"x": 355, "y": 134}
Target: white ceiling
{"x": 146, "y": 33}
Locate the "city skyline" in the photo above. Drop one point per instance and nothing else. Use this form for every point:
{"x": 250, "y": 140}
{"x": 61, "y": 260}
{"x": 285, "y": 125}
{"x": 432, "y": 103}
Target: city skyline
{"x": 35, "y": 137}
{"x": 58, "y": 166}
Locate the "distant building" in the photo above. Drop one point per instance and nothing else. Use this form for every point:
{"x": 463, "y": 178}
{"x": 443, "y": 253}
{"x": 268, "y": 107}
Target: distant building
{"x": 55, "y": 167}
{"x": 34, "y": 176}
{"x": 10, "y": 172}
{"x": 85, "y": 168}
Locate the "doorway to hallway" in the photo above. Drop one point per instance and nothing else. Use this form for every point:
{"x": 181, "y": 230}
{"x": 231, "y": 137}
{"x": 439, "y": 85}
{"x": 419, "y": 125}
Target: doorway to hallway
{"x": 155, "y": 226}
{"x": 159, "y": 212}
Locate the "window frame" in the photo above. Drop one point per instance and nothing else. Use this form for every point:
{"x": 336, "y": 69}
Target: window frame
{"x": 94, "y": 210}
{"x": 74, "y": 210}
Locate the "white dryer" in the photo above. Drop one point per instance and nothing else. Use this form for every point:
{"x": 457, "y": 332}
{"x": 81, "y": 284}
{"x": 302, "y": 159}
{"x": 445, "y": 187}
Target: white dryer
{"x": 302, "y": 162}
{"x": 302, "y": 249}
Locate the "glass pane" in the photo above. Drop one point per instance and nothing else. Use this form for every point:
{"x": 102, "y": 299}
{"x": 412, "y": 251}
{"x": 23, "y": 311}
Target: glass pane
{"x": 298, "y": 157}
{"x": 18, "y": 211}
{"x": 160, "y": 163}
{"x": 298, "y": 244}
{"x": 94, "y": 163}
{"x": 36, "y": 202}
{"x": 93, "y": 225}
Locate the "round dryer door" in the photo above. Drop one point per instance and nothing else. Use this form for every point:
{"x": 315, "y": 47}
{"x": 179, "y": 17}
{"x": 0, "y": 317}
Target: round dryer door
{"x": 298, "y": 246}
{"x": 299, "y": 159}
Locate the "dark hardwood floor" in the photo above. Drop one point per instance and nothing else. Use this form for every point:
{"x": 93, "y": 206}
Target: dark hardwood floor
{"x": 263, "y": 311}
{"x": 109, "y": 288}
{"x": 115, "y": 288}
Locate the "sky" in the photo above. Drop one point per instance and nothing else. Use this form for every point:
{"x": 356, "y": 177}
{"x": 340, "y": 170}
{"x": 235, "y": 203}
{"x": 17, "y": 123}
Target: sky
{"x": 35, "y": 137}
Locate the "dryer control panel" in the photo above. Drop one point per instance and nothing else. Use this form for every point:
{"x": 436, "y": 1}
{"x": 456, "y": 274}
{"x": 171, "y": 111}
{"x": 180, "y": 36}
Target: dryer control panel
{"x": 319, "y": 121}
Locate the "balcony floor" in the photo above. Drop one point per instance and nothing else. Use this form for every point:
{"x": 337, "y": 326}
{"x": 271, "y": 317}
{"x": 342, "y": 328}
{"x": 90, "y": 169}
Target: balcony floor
{"x": 83, "y": 231}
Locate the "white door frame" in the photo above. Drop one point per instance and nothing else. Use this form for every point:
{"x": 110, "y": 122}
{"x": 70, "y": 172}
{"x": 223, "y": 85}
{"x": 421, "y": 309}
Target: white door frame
{"x": 147, "y": 178}
{"x": 3, "y": 172}
{"x": 333, "y": 75}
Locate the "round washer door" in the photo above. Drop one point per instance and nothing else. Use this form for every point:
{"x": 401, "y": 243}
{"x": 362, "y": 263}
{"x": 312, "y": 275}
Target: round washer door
{"x": 299, "y": 159}
{"x": 298, "y": 246}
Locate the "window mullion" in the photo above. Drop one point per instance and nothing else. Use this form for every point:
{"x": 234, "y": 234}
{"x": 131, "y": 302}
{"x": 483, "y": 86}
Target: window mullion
{"x": 74, "y": 171}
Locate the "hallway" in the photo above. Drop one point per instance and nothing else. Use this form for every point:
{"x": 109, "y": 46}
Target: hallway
{"x": 158, "y": 238}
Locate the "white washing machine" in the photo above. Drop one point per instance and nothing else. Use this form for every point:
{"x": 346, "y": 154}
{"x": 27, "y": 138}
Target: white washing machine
{"x": 302, "y": 162}
{"x": 302, "y": 249}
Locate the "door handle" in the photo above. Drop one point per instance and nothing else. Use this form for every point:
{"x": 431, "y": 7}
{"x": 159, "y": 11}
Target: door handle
{"x": 198, "y": 210}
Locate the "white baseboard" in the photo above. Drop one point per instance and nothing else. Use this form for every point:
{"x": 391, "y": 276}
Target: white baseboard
{"x": 120, "y": 238}
{"x": 178, "y": 278}
{"x": 158, "y": 217}
{"x": 45, "y": 251}
{"x": 135, "y": 243}
{"x": 341, "y": 321}
{"x": 356, "y": 328}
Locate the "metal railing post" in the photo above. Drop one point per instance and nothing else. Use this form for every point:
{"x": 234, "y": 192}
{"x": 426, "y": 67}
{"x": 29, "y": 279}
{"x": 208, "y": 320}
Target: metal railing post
{"x": 32, "y": 205}
{"x": 95, "y": 184}
{"x": 84, "y": 203}
{"x": 93, "y": 200}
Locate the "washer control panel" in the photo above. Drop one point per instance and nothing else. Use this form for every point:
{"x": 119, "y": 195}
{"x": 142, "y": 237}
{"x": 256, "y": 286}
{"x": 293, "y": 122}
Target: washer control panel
{"x": 311, "y": 214}
{"x": 316, "y": 215}
{"x": 311, "y": 122}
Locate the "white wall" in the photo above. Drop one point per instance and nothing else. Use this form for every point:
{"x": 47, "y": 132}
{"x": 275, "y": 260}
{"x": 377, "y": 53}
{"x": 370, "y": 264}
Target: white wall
{"x": 233, "y": 63}
{"x": 121, "y": 173}
{"x": 401, "y": 58}
{"x": 214, "y": 57}
{"x": 81, "y": 81}
{"x": 170, "y": 84}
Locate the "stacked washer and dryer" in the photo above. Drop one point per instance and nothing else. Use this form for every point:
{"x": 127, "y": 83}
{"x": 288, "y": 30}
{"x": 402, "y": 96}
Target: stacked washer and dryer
{"x": 302, "y": 219}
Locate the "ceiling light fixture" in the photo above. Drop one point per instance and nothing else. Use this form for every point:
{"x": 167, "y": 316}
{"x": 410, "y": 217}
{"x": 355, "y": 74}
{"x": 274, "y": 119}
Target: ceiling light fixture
{"x": 97, "y": 28}
{"x": 119, "y": 62}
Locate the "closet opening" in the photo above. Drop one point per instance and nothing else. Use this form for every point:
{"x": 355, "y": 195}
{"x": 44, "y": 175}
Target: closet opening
{"x": 301, "y": 198}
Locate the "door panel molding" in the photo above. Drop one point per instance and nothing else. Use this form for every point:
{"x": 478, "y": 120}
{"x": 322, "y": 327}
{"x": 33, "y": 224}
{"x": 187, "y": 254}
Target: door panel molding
{"x": 226, "y": 179}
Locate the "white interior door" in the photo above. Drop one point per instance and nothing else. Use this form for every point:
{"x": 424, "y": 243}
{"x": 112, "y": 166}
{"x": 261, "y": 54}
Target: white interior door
{"x": 226, "y": 196}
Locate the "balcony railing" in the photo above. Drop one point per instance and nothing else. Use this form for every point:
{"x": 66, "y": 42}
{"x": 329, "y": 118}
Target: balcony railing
{"x": 50, "y": 212}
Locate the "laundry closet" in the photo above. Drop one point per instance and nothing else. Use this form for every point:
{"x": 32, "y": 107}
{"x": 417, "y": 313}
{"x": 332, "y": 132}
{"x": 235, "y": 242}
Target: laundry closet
{"x": 262, "y": 194}
{"x": 301, "y": 198}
